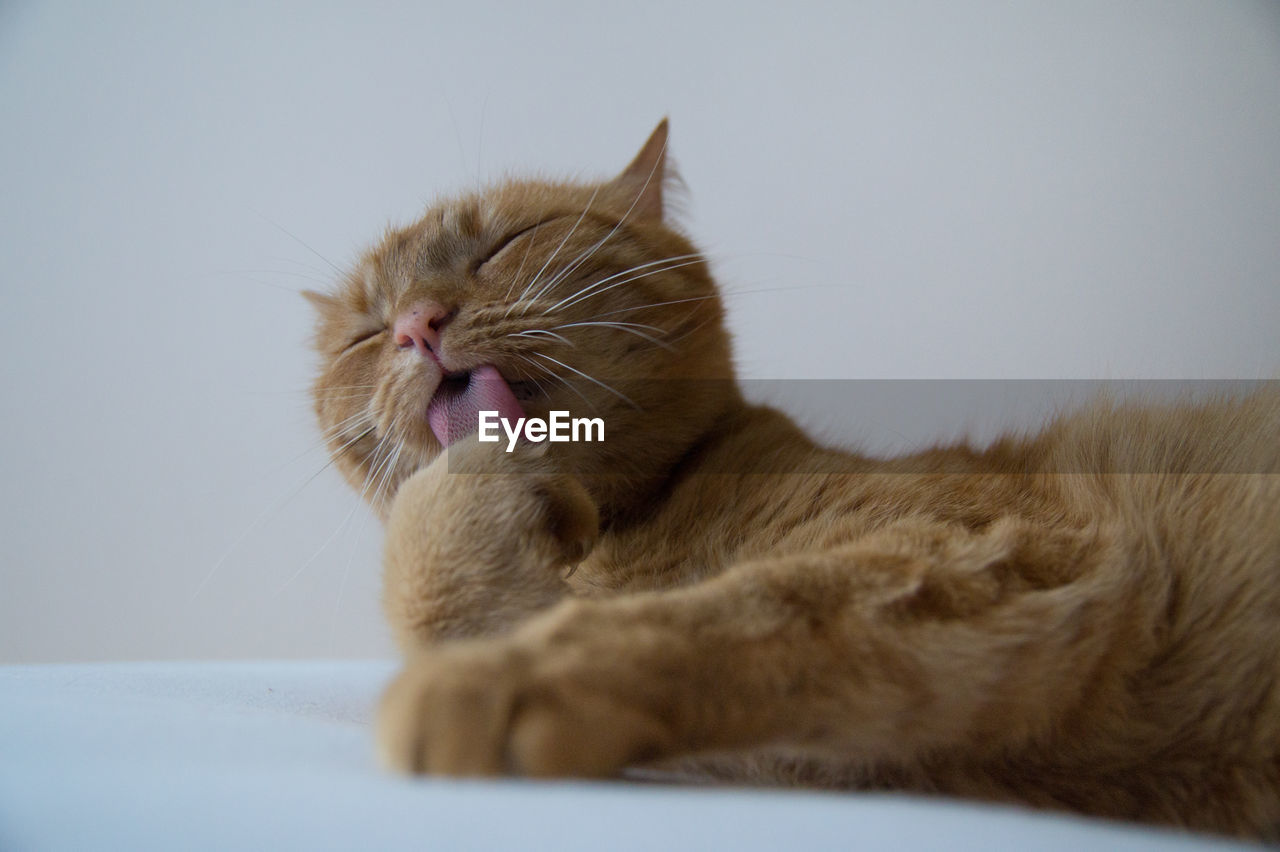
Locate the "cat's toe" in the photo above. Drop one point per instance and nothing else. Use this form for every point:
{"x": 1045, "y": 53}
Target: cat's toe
{"x": 579, "y": 734}
{"x": 446, "y": 714}
{"x": 476, "y": 711}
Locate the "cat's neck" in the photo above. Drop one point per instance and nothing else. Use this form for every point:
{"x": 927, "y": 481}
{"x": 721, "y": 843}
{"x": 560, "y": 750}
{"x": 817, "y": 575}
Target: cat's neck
{"x": 757, "y": 439}
{"x": 743, "y": 439}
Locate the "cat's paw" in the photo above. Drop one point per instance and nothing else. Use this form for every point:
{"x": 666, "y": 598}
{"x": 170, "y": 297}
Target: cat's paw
{"x": 492, "y": 709}
{"x": 544, "y": 502}
{"x": 493, "y": 503}
{"x": 477, "y": 541}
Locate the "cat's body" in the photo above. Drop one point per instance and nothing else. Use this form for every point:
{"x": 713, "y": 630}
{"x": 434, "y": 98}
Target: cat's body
{"x": 1088, "y": 619}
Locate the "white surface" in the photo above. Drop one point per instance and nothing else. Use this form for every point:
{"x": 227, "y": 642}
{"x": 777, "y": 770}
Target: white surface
{"x": 278, "y": 756}
{"x": 959, "y": 190}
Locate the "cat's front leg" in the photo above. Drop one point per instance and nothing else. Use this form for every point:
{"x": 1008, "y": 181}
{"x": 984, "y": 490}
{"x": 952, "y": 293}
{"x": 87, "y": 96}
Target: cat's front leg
{"x": 921, "y": 640}
{"x": 479, "y": 539}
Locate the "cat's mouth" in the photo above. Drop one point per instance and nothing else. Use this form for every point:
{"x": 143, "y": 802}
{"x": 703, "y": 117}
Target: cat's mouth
{"x": 454, "y": 384}
{"x": 455, "y": 406}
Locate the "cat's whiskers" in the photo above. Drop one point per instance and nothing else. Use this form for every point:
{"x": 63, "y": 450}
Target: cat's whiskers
{"x": 340, "y": 394}
{"x": 561, "y": 379}
{"x": 340, "y": 424}
{"x": 538, "y": 384}
{"x": 653, "y": 305}
{"x": 728, "y": 295}
{"x": 298, "y": 239}
{"x": 321, "y": 277}
{"x": 533, "y": 236}
{"x": 629, "y": 327}
{"x": 311, "y": 393}
{"x": 278, "y": 504}
{"x": 691, "y": 330}
{"x": 592, "y": 284}
{"x": 308, "y": 267}
{"x": 321, "y": 549}
{"x": 530, "y": 332}
{"x": 346, "y": 396}
{"x": 565, "y": 303}
{"x": 387, "y": 476}
{"x": 374, "y": 465}
{"x": 592, "y": 322}
{"x": 254, "y": 276}
{"x": 591, "y": 379}
{"x": 345, "y": 424}
{"x": 392, "y": 446}
{"x": 350, "y": 442}
{"x": 535, "y": 278}
{"x": 334, "y": 432}
{"x": 590, "y": 252}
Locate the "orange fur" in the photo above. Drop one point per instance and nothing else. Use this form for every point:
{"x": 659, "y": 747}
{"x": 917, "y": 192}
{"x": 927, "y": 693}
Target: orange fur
{"x": 1087, "y": 619}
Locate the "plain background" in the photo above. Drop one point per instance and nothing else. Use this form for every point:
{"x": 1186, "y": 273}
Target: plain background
{"x": 892, "y": 190}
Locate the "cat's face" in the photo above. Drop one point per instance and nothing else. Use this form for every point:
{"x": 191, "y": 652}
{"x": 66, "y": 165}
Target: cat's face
{"x": 576, "y": 295}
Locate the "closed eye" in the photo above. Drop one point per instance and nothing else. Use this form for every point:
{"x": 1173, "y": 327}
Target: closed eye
{"x": 369, "y": 335}
{"x": 506, "y": 241}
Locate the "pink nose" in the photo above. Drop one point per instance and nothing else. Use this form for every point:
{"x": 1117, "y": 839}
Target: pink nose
{"x": 418, "y": 326}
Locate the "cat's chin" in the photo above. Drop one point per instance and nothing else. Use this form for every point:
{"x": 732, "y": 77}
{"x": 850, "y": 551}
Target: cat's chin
{"x": 454, "y": 410}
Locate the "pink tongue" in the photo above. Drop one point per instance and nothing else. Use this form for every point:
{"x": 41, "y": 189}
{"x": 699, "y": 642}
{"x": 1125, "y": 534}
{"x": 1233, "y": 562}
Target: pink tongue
{"x": 456, "y": 415}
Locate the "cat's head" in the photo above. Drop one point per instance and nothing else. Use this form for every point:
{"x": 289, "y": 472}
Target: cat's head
{"x": 533, "y": 296}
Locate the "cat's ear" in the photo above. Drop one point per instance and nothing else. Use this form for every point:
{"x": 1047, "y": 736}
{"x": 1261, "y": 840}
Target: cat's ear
{"x": 322, "y": 302}
{"x": 643, "y": 179}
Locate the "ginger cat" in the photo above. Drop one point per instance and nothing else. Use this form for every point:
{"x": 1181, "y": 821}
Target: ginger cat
{"x": 709, "y": 592}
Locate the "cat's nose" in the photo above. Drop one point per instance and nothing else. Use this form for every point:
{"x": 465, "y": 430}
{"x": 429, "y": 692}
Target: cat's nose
{"x": 419, "y": 325}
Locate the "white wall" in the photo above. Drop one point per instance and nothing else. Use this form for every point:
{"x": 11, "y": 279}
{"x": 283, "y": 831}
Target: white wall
{"x": 1083, "y": 189}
